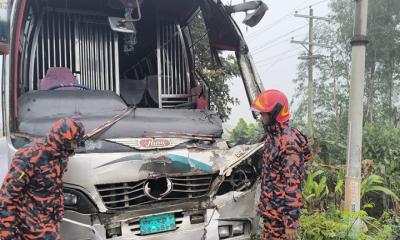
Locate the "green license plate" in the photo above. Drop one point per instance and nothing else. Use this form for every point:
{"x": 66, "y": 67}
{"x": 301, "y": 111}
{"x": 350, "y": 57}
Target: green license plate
{"x": 157, "y": 224}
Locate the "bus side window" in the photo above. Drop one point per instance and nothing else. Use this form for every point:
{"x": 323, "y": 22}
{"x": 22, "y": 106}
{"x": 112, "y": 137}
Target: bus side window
{"x": 4, "y": 26}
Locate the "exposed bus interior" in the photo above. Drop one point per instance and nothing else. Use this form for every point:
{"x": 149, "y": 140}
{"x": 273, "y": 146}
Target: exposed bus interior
{"x": 94, "y": 58}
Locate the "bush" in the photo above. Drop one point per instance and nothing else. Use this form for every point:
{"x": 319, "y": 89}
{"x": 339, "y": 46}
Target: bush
{"x": 335, "y": 224}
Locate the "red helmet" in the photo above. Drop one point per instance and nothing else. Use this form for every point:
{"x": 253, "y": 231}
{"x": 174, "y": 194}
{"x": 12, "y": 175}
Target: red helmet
{"x": 274, "y": 102}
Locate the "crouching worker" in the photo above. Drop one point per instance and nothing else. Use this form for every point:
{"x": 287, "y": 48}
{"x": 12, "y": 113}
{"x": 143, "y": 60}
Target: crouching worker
{"x": 285, "y": 152}
{"x": 31, "y": 197}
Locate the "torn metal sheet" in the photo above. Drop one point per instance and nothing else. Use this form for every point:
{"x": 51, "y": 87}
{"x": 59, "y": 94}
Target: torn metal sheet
{"x": 227, "y": 160}
{"x": 252, "y": 18}
{"x": 181, "y": 161}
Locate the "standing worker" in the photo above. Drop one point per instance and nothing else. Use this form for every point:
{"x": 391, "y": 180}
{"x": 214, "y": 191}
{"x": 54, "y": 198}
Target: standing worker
{"x": 31, "y": 197}
{"x": 285, "y": 152}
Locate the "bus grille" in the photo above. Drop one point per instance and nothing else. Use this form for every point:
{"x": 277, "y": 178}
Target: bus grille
{"x": 117, "y": 196}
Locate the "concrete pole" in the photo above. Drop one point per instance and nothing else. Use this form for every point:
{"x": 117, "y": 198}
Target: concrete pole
{"x": 355, "y": 124}
{"x": 310, "y": 77}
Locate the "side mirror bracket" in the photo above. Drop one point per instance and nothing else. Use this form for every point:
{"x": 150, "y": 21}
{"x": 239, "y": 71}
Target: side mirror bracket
{"x": 121, "y": 25}
{"x": 258, "y": 9}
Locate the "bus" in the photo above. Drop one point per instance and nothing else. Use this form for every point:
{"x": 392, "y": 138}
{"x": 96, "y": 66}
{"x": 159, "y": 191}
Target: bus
{"x": 163, "y": 171}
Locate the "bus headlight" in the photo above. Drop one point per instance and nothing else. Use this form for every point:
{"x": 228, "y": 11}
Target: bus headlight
{"x": 70, "y": 199}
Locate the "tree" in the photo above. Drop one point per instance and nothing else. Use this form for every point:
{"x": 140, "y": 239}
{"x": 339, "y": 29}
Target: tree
{"x": 381, "y": 145}
{"x": 381, "y": 98}
{"x": 217, "y": 69}
{"x": 332, "y": 81}
{"x": 245, "y": 133}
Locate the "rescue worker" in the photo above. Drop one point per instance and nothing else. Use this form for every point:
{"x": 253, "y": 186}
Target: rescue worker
{"x": 31, "y": 197}
{"x": 285, "y": 152}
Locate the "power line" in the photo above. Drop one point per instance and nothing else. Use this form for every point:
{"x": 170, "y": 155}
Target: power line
{"x": 281, "y": 36}
{"x": 277, "y": 55}
{"x": 286, "y": 17}
{"x": 280, "y": 59}
{"x": 270, "y": 64}
{"x": 269, "y": 46}
{"x": 281, "y": 19}
{"x": 312, "y": 5}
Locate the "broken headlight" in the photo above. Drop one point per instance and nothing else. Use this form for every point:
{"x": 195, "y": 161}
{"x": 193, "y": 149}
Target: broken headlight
{"x": 242, "y": 178}
{"x": 70, "y": 199}
{"x": 77, "y": 201}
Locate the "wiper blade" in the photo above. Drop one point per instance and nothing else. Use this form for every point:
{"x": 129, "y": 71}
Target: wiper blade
{"x": 108, "y": 124}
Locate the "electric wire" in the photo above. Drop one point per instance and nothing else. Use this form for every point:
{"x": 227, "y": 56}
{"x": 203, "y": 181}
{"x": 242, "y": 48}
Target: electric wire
{"x": 313, "y": 4}
{"x": 282, "y": 36}
{"x": 269, "y": 46}
{"x": 285, "y": 17}
{"x": 272, "y": 63}
{"x": 277, "y": 55}
{"x": 268, "y": 66}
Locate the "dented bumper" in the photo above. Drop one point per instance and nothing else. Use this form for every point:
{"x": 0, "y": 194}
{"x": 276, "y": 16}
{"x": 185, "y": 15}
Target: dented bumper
{"x": 193, "y": 194}
{"x": 234, "y": 212}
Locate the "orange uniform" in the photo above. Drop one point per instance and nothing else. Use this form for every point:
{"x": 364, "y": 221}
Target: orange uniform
{"x": 286, "y": 150}
{"x": 31, "y": 197}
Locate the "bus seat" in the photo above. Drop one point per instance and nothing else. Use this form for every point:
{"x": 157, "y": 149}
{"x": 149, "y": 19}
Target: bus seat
{"x": 132, "y": 90}
{"x": 56, "y": 76}
{"x": 152, "y": 87}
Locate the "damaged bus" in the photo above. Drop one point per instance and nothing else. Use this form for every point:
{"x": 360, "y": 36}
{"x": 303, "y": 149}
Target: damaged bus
{"x": 163, "y": 170}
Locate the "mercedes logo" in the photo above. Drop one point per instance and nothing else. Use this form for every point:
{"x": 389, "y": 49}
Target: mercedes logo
{"x": 158, "y": 188}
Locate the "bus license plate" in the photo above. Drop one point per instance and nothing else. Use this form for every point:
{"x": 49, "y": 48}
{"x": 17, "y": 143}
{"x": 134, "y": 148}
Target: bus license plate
{"x": 157, "y": 224}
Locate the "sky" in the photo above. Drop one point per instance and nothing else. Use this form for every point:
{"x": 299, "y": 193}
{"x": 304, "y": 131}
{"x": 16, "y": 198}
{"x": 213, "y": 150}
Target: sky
{"x": 269, "y": 43}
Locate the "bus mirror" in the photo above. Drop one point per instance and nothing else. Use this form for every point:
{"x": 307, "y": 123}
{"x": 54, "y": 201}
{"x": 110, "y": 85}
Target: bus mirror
{"x": 4, "y": 27}
{"x": 127, "y": 24}
{"x": 258, "y": 9}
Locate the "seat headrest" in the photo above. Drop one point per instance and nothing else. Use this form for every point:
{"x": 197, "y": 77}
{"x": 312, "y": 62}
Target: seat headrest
{"x": 56, "y": 76}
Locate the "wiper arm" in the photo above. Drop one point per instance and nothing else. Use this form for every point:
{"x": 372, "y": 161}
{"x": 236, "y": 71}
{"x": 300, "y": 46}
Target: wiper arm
{"x": 103, "y": 127}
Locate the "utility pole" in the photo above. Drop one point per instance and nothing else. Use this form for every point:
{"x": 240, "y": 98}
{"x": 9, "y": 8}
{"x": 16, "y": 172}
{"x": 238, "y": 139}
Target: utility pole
{"x": 352, "y": 195}
{"x": 310, "y": 77}
{"x": 311, "y": 59}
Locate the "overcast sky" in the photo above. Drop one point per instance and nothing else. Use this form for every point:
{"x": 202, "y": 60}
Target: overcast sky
{"x": 269, "y": 42}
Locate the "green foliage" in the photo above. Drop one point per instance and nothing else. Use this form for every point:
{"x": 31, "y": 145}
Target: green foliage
{"x": 373, "y": 183}
{"x": 320, "y": 226}
{"x": 314, "y": 191}
{"x": 216, "y": 69}
{"x": 339, "y": 182}
{"x": 245, "y": 133}
{"x": 392, "y": 218}
{"x": 335, "y": 224}
{"x": 381, "y": 144}
{"x": 381, "y": 138}
{"x": 332, "y": 81}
